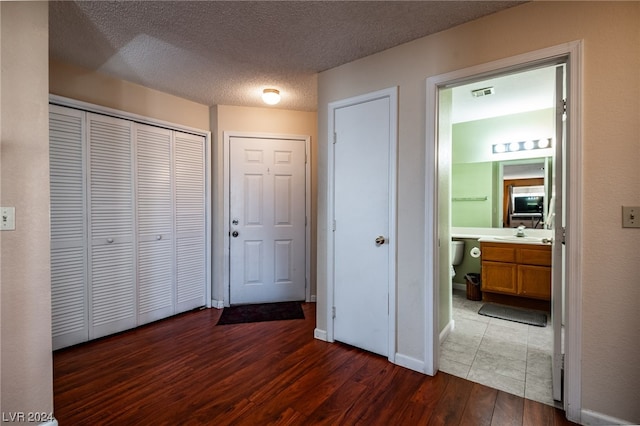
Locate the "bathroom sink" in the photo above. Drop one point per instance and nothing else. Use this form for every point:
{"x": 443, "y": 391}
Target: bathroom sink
{"x": 514, "y": 239}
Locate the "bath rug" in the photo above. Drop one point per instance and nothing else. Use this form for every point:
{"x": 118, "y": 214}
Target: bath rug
{"x": 510, "y": 313}
{"x": 261, "y": 312}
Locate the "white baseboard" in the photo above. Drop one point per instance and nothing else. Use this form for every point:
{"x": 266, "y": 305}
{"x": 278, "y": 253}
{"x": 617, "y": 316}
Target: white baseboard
{"x": 460, "y": 286}
{"x": 410, "y": 363}
{"x": 320, "y": 334}
{"x": 446, "y": 330}
{"x": 217, "y": 304}
{"x": 592, "y": 418}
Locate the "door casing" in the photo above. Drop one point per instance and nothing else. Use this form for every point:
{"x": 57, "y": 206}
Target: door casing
{"x": 227, "y": 136}
{"x": 571, "y": 54}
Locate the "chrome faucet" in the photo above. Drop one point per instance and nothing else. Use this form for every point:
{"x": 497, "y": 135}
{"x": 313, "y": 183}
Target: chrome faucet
{"x": 520, "y": 231}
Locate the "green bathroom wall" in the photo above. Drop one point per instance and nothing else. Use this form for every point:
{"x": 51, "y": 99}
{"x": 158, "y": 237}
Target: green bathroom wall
{"x": 472, "y": 194}
{"x": 473, "y": 140}
{"x": 469, "y": 264}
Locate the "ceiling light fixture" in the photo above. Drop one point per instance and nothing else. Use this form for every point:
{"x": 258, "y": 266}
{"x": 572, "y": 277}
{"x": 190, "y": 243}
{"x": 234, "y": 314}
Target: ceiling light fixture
{"x": 502, "y": 148}
{"x": 271, "y": 96}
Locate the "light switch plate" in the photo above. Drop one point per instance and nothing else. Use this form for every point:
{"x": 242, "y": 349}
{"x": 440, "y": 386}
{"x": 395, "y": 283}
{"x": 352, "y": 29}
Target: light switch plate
{"x": 630, "y": 217}
{"x": 7, "y": 218}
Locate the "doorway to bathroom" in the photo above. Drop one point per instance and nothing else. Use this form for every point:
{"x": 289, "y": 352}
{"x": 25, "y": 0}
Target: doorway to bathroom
{"x": 488, "y": 154}
{"x": 502, "y": 155}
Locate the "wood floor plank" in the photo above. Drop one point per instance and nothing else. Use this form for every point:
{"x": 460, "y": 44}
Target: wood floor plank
{"x": 537, "y": 414}
{"x": 479, "y": 408}
{"x": 339, "y": 405}
{"x": 186, "y": 370}
{"x": 507, "y": 410}
{"x": 450, "y": 407}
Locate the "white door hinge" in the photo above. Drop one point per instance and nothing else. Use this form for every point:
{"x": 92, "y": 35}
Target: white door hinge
{"x": 334, "y": 225}
{"x": 333, "y": 312}
{"x": 335, "y": 138}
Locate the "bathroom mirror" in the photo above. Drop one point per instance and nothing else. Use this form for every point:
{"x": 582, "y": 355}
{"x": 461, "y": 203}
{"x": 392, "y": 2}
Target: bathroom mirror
{"x": 497, "y": 194}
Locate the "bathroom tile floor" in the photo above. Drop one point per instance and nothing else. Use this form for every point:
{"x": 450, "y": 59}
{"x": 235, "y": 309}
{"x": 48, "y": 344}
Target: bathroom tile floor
{"x": 505, "y": 355}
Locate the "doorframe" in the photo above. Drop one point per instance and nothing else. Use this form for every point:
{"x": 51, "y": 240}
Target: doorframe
{"x": 226, "y": 180}
{"x": 571, "y": 54}
{"x": 392, "y": 94}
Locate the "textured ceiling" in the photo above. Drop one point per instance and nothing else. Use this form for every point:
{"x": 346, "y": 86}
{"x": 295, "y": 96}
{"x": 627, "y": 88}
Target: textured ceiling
{"x": 226, "y": 52}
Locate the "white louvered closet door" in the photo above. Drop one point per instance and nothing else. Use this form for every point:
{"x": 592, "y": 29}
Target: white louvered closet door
{"x": 154, "y": 199}
{"x": 112, "y": 284}
{"x": 70, "y": 322}
{"x": 191, "y": 262}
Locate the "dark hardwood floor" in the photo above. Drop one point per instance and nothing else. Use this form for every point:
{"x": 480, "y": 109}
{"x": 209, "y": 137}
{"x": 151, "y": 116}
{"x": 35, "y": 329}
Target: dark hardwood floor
{"x": 187, "y": 371}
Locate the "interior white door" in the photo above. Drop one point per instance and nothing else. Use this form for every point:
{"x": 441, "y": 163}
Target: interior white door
{"x": 154, "y": 208}
{"x": 190, "y": 221}
{"x": 558, "y": 225}
{"x": 112, "y": 275}
{"x": 69, "y": 299}
{"x": 267, "y": 220}
{"x": 362, "y": 201}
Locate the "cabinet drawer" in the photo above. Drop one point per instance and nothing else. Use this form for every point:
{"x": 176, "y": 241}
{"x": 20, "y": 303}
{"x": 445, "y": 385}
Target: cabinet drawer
{"x": 535, "y": 256}
{"x": 498, "y": 252}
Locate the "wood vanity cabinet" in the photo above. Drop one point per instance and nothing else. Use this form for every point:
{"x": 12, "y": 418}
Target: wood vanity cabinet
{"x": 522, "y": 270}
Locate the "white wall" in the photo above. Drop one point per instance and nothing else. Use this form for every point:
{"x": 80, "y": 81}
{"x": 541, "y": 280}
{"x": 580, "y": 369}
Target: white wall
{"x": 611, "y": 154}
{"x": 26, "y": 372}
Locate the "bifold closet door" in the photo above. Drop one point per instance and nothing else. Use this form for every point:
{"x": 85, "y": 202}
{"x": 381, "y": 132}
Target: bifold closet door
{"x": 69, "y": 299}
{"x": 190, "y": 208}
{"x": 154, "y": 202}
{"x": 112, "y": 283}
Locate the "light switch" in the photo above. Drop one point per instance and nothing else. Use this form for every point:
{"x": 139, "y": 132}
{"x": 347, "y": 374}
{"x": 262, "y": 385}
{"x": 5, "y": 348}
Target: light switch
{"x": 630, "y": 217}
{"x": 7, "y": 218}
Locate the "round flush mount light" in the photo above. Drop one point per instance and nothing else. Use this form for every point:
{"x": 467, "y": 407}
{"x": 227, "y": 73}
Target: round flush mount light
{"x": 271, "y": 96}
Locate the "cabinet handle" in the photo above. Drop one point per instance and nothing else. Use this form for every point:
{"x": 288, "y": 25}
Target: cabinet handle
{"x": 109, "y": 240}
{"x": 158, "y": 237}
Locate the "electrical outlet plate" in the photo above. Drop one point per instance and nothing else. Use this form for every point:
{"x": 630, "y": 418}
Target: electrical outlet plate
{"x": 7, "y": 218}
{"x": 630, "y": 217}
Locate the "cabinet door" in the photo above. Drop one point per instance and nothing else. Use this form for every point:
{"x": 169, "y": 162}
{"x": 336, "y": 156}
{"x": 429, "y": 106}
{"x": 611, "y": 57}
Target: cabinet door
{"x": 69, "y": 310}
{"x": 499, "y": 277}
{"x": 190, "y": 213}
{"x": 154, "y": 208}
{"x": 534, "y": 281}
{"x": 112, "y": 283}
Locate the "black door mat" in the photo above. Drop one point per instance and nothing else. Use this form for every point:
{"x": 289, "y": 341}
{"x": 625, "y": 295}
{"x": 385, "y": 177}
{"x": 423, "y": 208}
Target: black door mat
{"x": 510, "y": 313}
{"x": 261, "y": 312}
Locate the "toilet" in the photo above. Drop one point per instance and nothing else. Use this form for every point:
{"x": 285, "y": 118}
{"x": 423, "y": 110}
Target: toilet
{"x": 457, "y": 253}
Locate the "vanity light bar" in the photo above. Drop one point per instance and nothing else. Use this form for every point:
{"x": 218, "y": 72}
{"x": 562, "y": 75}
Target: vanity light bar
{"x": 501, "y": 148}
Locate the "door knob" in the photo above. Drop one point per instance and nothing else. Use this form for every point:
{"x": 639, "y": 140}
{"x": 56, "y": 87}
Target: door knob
{"x": 380, "y": 240}
{"x": 234, "y": 234}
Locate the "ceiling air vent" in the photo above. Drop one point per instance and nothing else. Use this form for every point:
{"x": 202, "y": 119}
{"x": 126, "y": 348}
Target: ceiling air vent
{"x": 482, "y": 92}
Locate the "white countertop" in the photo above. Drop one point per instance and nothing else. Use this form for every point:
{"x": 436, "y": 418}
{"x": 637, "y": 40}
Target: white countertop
{"x": 533, "y": 236}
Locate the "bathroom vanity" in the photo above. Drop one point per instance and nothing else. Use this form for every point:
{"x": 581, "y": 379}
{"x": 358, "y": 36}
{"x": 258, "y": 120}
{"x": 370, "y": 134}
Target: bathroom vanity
{"x": 516, "y": 272}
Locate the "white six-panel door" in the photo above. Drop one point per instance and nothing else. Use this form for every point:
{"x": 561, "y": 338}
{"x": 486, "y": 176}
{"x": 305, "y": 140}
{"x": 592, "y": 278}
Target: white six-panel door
{"x": 267, "y": 220}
